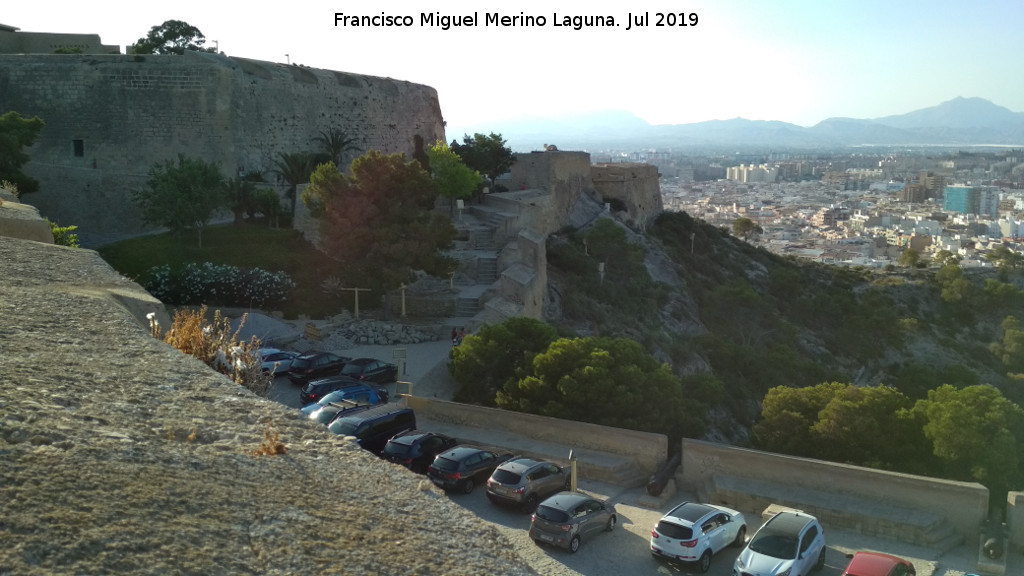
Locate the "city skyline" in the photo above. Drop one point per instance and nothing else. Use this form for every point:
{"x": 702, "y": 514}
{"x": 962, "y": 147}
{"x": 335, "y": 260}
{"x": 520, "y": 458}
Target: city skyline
{"x": 797, "y": 61}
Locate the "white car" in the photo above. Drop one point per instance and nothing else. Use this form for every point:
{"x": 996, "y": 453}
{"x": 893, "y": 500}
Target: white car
{"x": 276, "y": 361}
{"x": 791, "y": 543}
{"x": 694, "y": 532}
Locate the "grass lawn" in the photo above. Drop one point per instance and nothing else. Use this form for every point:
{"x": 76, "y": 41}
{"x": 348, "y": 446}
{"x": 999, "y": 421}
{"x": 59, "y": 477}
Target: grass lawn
{"x": 245, "y": 246}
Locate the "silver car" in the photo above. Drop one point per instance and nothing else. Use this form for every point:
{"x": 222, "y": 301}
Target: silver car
{"x": 568, "y": 518}
{"x": 524, "y": 482}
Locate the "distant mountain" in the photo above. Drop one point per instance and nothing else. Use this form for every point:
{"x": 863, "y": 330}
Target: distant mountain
{"x": 961, "y": 121}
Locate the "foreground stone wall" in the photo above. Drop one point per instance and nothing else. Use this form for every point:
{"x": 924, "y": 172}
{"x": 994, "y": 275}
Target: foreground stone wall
{"x": 111, "y": 117}
{"x": 119, "y": 454}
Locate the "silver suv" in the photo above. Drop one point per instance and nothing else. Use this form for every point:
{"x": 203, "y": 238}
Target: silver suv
{"x": 791, "y": 543}
{"x": 525, "y": 481}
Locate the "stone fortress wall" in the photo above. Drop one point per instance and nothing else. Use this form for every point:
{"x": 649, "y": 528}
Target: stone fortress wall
{"x": 110, "y": 117}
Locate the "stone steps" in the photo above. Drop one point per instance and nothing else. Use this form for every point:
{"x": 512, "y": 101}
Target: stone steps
{"x": 467, "y": 307}
{"x": 486, "y": 270}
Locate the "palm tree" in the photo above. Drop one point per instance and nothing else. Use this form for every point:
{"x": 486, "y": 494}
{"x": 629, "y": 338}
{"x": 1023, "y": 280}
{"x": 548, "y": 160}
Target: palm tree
{"x": 294, "y": 168}
{"x": 334, "y": 143}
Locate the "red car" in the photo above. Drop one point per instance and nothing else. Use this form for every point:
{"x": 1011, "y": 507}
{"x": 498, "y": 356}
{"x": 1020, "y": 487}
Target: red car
{"x": 878, "y": 564}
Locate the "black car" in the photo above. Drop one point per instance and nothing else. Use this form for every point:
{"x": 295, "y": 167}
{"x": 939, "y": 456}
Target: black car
{"x": 317, "y": 389}
{"x": 317, "y": 365}
{"x": 372, "y": 427}
{"x": 371, "y": 370}
{"x": 416, "y": 449}
{"x": 463, "y": 467}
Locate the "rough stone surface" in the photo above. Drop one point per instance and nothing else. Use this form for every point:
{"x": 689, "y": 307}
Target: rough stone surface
{"x": 120, "y": 455}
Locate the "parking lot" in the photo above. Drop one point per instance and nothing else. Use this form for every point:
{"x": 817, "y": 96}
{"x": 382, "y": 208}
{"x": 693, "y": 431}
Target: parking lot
{"x": 626, "y": 549}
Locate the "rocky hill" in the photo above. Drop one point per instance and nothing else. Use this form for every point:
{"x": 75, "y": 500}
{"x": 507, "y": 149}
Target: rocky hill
{"x": 121, "y": 455}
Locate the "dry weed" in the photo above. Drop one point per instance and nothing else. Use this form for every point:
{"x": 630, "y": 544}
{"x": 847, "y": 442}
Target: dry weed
{"x": 271, "y": 445}
{"x": 218, "y": 347}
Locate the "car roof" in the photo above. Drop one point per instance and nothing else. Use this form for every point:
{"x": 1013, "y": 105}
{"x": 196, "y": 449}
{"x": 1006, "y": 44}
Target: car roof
{"x": 337, "y": 379}
{"x": 460, "y": 452}
{"x": 520, "y": 465}
{"x": 410, "y": 436}
{"x": 872, "y": 564}
{"x": 377, "y": 410}
{"x": 786, "y": 522}
{"x": 566, "y": 500}
{"x": 689, "y": 513}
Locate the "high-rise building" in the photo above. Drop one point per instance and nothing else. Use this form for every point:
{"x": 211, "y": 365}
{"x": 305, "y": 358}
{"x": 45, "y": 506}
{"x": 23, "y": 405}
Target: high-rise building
{"x": 963, "y": 199}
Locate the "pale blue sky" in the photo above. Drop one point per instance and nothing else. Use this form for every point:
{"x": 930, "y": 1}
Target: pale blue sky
{"x": 799, "y": 61}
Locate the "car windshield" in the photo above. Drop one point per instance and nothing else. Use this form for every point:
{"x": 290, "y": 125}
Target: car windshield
{"x": 396, "y": 449}
{"x": 352, "y": 370}
{"x": 506, "y": 477}
{"x": 445, "y": 464}
{"x": 300, "y": 363}
{"x": 775, "y": 545}
{"x": 672, "y": 530}
{"x": 344, "y": 426}
{"x": 551, "y": 514}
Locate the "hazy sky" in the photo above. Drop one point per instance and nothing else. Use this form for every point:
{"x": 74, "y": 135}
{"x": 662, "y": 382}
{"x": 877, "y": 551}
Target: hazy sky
{"x": 799, "y": 61}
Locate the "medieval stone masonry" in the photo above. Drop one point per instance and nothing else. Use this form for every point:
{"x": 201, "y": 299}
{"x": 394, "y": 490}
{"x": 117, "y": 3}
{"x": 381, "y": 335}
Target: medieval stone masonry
{"x": 110, "y": 117}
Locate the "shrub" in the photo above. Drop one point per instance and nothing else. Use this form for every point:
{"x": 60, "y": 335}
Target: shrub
{"x": 218, "y": 284}
{"x": 218, "y": 347}
{"x": 64, "y": 235}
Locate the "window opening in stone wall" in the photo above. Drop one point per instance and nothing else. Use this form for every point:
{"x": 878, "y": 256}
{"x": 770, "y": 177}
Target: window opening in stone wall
{"x": 79, "y": 146}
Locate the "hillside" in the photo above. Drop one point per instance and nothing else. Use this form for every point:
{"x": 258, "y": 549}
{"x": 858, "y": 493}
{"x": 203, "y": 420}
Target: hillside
{"x": 734, "y": 320}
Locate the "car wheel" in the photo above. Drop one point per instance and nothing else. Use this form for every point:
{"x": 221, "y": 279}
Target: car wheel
{"x": 574, "y": 544}
{"x": 741, "y": 537}
{"x": 611, "y": 523}
{"x": 467, "y": 485}
{"x": 705, "y": 561}
{"x": 530, "y": 504}
{"x": 821, "y": 560}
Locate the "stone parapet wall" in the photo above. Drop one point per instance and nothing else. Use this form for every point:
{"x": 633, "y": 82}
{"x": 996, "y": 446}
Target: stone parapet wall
{"x": 963, "y": 504}
{"x": 635, "y": 185}
{"x": 111, "y": 117}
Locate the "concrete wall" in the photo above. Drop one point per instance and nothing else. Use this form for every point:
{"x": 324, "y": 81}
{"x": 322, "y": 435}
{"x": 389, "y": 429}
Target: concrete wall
{"x": 124, "y": 113}
{"x": 964, "y": 504}
{"x": 1015, "y": 519}
{"x": 635, "y": 185}
{"x": 647, "y": 448}
{"x": 13, "y": 41}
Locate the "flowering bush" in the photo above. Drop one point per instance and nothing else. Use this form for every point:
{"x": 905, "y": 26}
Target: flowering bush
{"x": 218, "y": 284}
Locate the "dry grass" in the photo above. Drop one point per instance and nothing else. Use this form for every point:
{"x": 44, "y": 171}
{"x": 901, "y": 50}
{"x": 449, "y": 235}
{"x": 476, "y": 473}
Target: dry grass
{"x": 271, "y": 445}
{"x": 218, "y": 347}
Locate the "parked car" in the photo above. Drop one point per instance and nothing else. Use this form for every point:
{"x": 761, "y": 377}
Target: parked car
{"x": 371, "y": 370}
{"x": 314, "y": 390}
{"x": 878, "y": 564}
{"x": 568, "y": 518}
{"x": 276, "y": 361}
{"x": 374, "y": 426}
{"x": 416, "y": 450}
{"x": 463, "y": 467}
{"x": 791, "y": 543}
{"x": 694, "y": 532}
{"x": 317, "y": 365}
{"x": 352, "y": 392}
{"x": 328, "y": 412}
{"x": 525, "y": 482}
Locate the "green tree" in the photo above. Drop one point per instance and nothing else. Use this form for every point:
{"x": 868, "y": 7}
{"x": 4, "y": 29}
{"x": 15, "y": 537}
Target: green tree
{"x": 266, "y": 202}
{"x": 334, "y": 144}
{"x": 975, "y": 434}
{"x": 454, "y": 179}
{"x": 239, "y": 196}
{"x": 171, "y": 37}
{"x": 487, "y": 155}
{"x": 1010, "y": 349}
{"x": 608, "y": 381}
{"x": 745, "y": 228}
{"x": 496, "y": 354}
{"x": 380, "y": 217}
{"x": 181, "y": 195}
{"x": 16, "y": 134}
{"x": 1005, "y": 259}
{"x": 910, "y": 258}
{"x": 955, "y": 288}
{"x": 945, "y": 257}
{"x": 295, "y": 169}
{"x": 787, "y": 415}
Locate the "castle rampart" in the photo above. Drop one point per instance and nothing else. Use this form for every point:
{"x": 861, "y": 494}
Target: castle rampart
{"x": 111, "y": 117}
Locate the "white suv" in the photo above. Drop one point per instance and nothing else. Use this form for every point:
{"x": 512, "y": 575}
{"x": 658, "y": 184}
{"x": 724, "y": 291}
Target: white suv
{"x": 693, "y": 532}
{"x": 791, "y": 543}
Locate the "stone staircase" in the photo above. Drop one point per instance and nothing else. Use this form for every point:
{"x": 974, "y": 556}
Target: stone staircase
{"x": 486, "y": 269}
{"x": 466, "y": 307}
